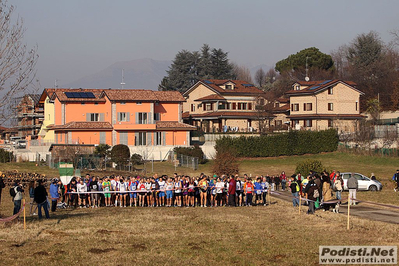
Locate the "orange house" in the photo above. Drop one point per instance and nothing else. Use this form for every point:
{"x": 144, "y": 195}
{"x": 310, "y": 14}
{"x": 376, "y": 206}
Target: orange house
{"x": 149, "y": 122}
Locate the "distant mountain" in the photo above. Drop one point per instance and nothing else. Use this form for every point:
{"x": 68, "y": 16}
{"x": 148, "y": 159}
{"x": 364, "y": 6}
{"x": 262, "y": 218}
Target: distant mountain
{"x": 143, "y": 73}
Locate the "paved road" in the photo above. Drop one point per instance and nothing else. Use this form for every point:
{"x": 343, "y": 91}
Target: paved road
{"x": 362, "y": 210}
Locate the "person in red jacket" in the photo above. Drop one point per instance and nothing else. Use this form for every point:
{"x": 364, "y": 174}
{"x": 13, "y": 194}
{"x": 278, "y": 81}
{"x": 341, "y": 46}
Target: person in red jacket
{"x": 232, "y": 191}
{"x": 248, "y": 190}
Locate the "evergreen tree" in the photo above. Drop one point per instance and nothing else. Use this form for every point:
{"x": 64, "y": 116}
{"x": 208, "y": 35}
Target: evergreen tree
{"x": 221, "y": 68}
{"x": 205, "y": 65}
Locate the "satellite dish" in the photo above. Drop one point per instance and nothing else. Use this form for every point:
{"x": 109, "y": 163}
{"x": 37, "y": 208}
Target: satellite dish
{"x": 307, "y": 78}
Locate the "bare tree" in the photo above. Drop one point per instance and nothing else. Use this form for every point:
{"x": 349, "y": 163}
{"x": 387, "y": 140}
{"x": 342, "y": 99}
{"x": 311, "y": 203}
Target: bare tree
{"x": 241, "y": 73}
{"x": 260, "y": 77}
{"x": 17, "y": 61}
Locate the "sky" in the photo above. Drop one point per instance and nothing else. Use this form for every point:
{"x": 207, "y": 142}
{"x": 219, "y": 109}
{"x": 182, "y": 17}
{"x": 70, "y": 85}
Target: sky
{"x": 77, "y": 38}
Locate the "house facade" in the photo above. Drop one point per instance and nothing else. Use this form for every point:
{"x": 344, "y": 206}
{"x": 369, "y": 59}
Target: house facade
{"x": 149, "y": 122}
{"x": 320, "y": 105}
{"x": 224, "y": 106}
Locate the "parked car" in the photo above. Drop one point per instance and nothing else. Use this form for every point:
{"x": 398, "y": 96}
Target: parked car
{"x": 364, "y": 183}
{"x": 21, "y": 144}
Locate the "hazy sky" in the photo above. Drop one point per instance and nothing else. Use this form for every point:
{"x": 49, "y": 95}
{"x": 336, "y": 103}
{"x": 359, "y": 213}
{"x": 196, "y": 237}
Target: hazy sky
{"x": 80, "y": 37}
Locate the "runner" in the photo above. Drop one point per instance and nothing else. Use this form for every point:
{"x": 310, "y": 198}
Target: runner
{"x": 178, "y": 192}
{"x": 107, "y": 188}
{"x": 94, "y": 196}
{"x": 133, "y": 193}
{"x": 161, "y": 193}
{"x": 122, "y": 189}
{"x": 203, "y": 184}
{"x": 169, "y": 192}
{"x": 248, "y": 189}
{"x": 191, "y": 192}
{"x": 239, "y": 187}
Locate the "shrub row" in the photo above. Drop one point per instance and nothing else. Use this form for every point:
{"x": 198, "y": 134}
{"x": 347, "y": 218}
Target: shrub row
{"x": 291, "y": 143}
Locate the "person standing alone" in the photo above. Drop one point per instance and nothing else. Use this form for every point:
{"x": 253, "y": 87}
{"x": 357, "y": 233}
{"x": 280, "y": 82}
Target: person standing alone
{"x": 41, "y": 199}
{"x": 352, "y": 186}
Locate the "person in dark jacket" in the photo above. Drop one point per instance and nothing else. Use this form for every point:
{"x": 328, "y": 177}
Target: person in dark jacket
{"x": 2, "y": 185}
{"x": 41, "y": 199}
{"x": 232, "y": 191}
{"x": 294, "y": 191}
{"x": 310, "y": 188}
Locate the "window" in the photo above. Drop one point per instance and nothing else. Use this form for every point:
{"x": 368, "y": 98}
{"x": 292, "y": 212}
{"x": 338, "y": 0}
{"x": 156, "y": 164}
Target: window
{"x": 192, "y": 107}
{"x": 278, "y": 123}
{"x": 330, "y": 123}
{"x": 123, "y": 138}
{"x": 295, "y": 107}
{"x": 239, "y": 106}
{"x": 308, "y": 123}
{"x": 138, "y": 103}
{"x": 307, "y": 106}
{"x": 95, "y": 103}
{"x": 357, "y": 105}
{"x": 234, "y": 106}
{"x": 208, "y": 107}
{"x": 261, "y": 101}
{"x": 277, "y": 105}
{"x": 244, "y": 106}
{"x": 157, "y": 116}
{"x": 228, "y": 87}
{"x": 123, "y": 102}
{"x": 158, "y": 138}
{"x": 330, "y": 91}
{"x": 330, "y": 107}
{"x": 297, "y": 87}
{"x": 93, "y": 117}
{"x": 142, "y": 118}
{"x": 141, "y": 139}
{"x": 82, "y": 103}
{"x": 249, "y": 106}
{"x": 123, "y": 117}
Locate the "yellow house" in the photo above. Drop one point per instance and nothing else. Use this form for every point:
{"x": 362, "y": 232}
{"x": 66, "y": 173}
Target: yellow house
{"x": 224, "y": 106}
{"x": 49, "y": 116}
{"x": 319, "y": 105}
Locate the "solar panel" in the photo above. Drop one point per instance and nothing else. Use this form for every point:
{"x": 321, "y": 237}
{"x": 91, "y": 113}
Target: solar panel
{"x": 90, "y": 95}
{"x": 248, "y": 85}
{"x": 314, "y": 87}
{"x": 76, "y": 95}
{"x": 207, "y": 81}
{"x": 325, "y": 82}
{"x": 69, "y": 94}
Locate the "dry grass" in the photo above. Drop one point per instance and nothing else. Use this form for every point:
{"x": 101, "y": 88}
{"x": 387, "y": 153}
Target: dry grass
{"x": 272, "y": 235}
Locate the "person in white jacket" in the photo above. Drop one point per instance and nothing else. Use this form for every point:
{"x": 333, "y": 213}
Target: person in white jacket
{"x": 82, "y": 190}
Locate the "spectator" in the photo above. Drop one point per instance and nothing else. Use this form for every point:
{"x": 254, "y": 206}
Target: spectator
{"x": 352, "y": 186}
{"x": 41, "y": 199}
{"x": 294, "y": 191}
{"x": 32, "y": 197}
{"x": 18, "y": 196}
{"x": 309, "y": 190}
{"x": 2, "y": 185}
{"x": 54, "y": 194}
{"x": 232, "y": 191}
{"x": 283, "y": 179}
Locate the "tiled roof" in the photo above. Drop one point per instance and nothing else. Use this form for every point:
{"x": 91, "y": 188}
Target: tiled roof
{"x": 326, "y": 116}
{"x": 241, "y": 87}
{"x": 174, "y": 125}
{"x": 60, "y": 94}
{"x": 283, "y": 108}
{"x": 84, "y": 125}
{"x": 169, "y": 96}
{"x": 283, "y": 100}
{"x": 219, "y": 114}
{"x": 45, "y": 93}
{"x": 144, "y": 95}
{"x": 318, "y": 86}
{"x": 211, "y": 97}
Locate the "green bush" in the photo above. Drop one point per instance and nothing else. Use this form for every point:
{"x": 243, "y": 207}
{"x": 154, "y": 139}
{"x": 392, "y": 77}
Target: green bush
{"x": 305, "y": 167}
{"x": 5, "y": 156}
{"x": 291, "y": 143}
{"x": 195, "y": 151}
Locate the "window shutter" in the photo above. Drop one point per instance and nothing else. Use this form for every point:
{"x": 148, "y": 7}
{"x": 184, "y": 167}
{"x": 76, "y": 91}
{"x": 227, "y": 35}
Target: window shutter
{"x": 149, "y": 118}
{"x": 163, "y": 138}
{"x": 119, "y": 116}
{"x": 149, "y": 141}
{"x": 127, "y": 117}
{"x": 88, "y": 117}
{"x": 136, "y": 137}
{"x": 101, "y": 117}
{"x": 304, "y": 106}
{"x": 137, "y": 117}
{"x": 102, "y": 138}
{"x": 249, "y": 106}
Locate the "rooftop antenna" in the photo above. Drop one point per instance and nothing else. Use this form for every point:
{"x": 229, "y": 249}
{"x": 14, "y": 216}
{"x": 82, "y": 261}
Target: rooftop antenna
{"x": 123, "y": 79}
{"x": 55, "y": 84}
{"x": 307, "y": 70}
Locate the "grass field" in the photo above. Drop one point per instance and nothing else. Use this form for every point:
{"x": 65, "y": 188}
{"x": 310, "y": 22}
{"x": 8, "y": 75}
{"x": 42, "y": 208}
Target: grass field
{"x": 271, "y": 235}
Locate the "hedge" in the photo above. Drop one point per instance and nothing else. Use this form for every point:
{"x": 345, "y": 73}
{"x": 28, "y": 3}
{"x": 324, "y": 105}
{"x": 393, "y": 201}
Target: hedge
{"x": 195, "y": 151}
{"x": 291, "y": 143}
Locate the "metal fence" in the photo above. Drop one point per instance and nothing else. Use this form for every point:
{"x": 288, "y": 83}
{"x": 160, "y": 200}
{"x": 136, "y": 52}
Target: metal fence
{"x": 187, "y": 161}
